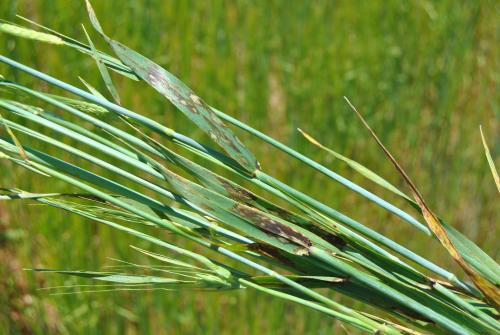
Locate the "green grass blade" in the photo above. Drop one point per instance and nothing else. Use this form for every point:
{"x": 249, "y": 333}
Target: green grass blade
{"x": 103, "y": 69}
{"x": 490, "y": 289}
{"x": 369, "y": 174}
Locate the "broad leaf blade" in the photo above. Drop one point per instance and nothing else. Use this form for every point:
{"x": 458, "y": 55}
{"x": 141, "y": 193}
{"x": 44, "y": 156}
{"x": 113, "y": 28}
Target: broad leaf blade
{"x": 183, "y": 98}
{"x": 476, "y": 257}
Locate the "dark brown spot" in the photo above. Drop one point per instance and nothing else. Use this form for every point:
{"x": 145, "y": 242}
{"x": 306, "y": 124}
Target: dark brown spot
{"x": 237, "y": 193}
{"x": 285, "y": 214}
{"x": 271, "y": 252}
{"x": 272, "y": 226}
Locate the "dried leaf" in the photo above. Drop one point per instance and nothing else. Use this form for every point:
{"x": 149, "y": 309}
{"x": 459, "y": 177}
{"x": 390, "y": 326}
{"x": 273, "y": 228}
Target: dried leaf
{"x": 489, "y": 289}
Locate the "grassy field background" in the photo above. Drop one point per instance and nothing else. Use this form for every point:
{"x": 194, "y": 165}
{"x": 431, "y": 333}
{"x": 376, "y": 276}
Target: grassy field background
{"x": 424, "y": 73}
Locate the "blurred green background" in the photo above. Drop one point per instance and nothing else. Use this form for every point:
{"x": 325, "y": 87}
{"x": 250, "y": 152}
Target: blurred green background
{"x": 424, "y": 73}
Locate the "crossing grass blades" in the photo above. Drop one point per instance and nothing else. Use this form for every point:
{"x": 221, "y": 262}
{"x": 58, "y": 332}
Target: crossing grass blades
{"x": 297, "y": 252}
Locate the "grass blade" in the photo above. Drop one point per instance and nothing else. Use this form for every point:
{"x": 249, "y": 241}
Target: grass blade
{"x": 489, "y": 289}
{"x": 369, "y": 174}
{"x": 102, "y": 69}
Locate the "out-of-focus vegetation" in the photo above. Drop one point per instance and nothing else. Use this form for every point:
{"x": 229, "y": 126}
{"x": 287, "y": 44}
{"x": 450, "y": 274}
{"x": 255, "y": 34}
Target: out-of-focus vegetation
{"x": 425, "y": 75}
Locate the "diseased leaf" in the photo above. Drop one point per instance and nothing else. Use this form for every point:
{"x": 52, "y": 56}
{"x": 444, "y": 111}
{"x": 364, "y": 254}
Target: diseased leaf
{"x": 183, "y": 98}
{"x": 225, "y": 186}
{"x": 462, "y": 255}
{"x": 257, "y": 224}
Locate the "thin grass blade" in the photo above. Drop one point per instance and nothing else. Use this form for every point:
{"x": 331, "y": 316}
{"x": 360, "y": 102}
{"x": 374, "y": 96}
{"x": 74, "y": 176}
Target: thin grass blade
{"x": 487, "y": 287}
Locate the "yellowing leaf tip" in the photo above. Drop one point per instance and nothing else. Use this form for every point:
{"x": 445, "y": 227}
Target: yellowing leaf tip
{"x": 309, "y": 138}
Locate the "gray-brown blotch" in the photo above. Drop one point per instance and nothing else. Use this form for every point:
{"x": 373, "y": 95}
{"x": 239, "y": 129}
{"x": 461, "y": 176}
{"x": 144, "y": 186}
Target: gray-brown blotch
{"x": 272, "y": 226}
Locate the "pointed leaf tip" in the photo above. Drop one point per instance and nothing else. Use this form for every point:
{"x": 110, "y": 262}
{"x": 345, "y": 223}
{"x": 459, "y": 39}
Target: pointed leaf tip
{"x": 491, "y": 163}
{"x": 103, "y": 70}
{"x": 94, "y": 20}
{"x": 361, "y": 169}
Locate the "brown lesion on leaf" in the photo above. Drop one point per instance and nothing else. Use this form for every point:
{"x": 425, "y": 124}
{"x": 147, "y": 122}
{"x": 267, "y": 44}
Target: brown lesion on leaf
{"x": 192, "y": 108}
{"x": 285, "y": 214}
{"x": 237, "y": 193}
{"x": 291, "y": 217}
{"x": 272, "y": 226}
{"x": 210, "y": 123}
{"x": 271, "y": 252}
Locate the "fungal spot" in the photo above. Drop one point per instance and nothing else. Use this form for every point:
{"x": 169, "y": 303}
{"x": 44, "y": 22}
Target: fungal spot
{"x": 272, "y": 226}
{"x": 196, "y": 99}
{"x": 182, "y": 101}
{"x": 152, "y": 78}
{"x": 301, "y": 252}
{"x": 236, "y": 192}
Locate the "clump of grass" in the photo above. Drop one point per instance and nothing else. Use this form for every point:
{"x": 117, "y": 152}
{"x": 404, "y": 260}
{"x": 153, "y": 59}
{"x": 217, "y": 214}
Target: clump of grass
{"x": 286, "y": 251}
